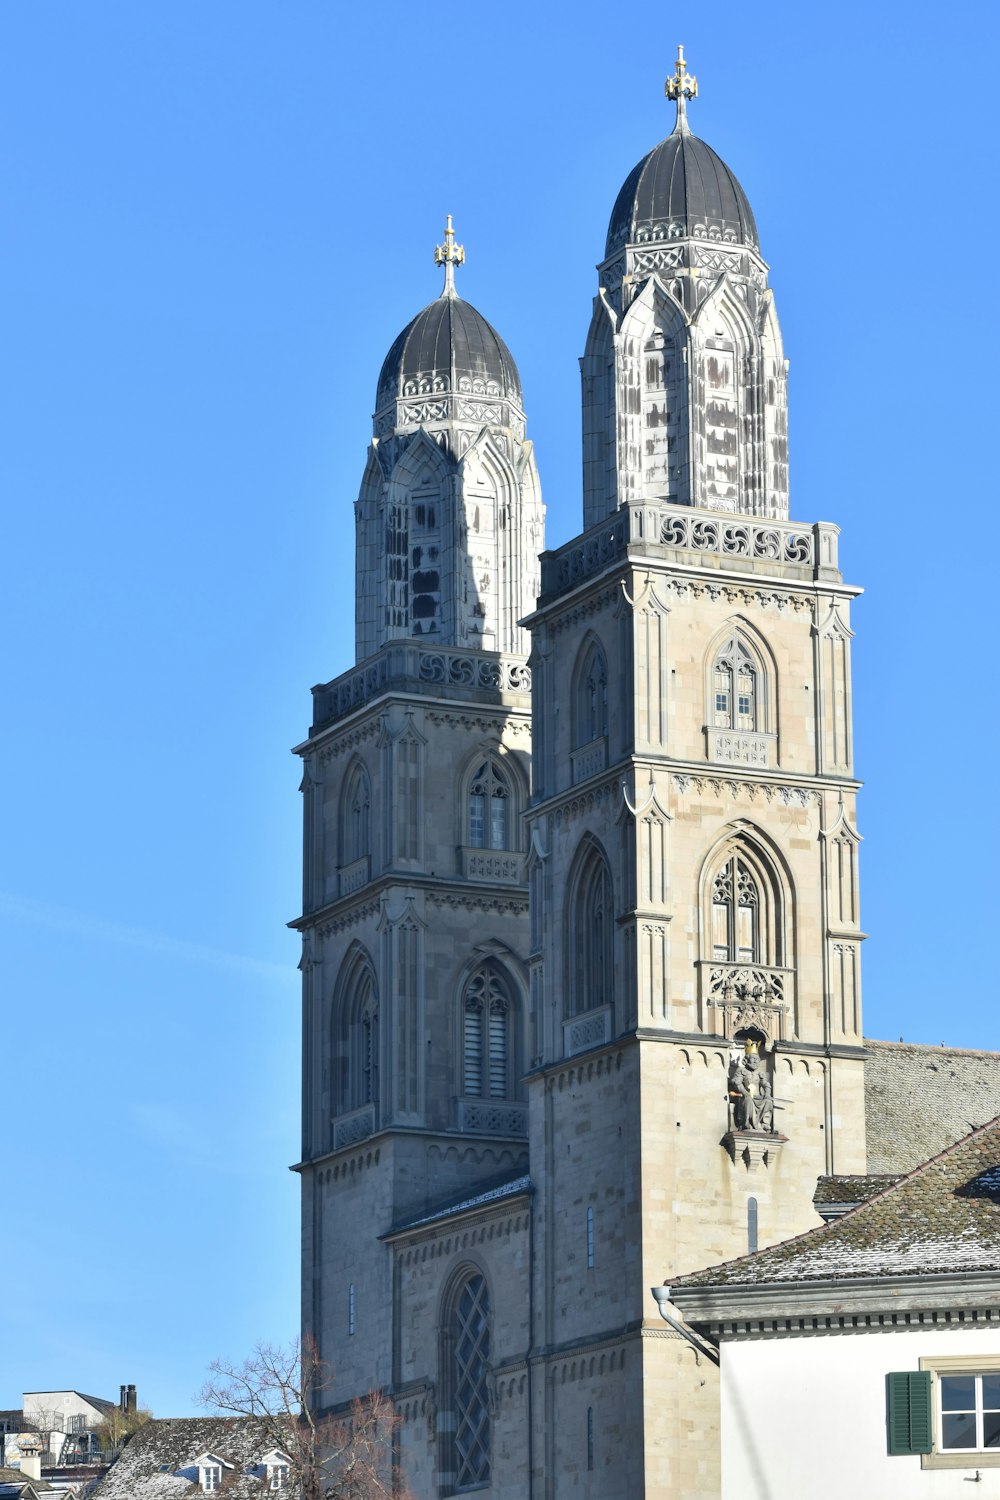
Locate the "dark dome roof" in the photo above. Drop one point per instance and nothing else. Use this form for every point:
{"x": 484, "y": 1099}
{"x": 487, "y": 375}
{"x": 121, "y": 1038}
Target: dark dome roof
{"x": 681, "y": 188}
{"x": 448, "y": 347}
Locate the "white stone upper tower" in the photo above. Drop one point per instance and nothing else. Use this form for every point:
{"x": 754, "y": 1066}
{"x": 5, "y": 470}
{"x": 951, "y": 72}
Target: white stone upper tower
{"x": 450, "y": 511}
{"x": 684, "y": 375}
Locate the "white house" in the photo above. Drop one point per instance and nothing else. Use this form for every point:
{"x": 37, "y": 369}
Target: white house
{"x": 862, "y": 1358}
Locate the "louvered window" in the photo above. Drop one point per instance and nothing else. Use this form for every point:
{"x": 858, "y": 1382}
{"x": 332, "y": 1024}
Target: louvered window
{"x": 486, "y": 1023}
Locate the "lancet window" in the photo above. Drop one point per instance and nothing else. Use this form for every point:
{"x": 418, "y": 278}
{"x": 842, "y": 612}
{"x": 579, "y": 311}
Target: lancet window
{"x": 736, "y": 913}
{"x": 358, "y": 1039}
{"x": 592, "y": 697}
{"x": 487, "y": 1016}
{"x": 356, "y": 816}
{"x": 736, "y": 688}
{"x": 591, "y": 936}
{"x": 490, "y": 809}
{"x": 468, "y": 1358}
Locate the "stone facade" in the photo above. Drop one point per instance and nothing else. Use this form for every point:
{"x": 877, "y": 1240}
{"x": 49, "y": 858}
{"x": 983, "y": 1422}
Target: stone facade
{"x": 566, "y": 1038}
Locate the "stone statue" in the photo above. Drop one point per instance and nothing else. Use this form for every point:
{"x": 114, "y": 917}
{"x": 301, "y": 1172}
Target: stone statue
{"x": 750, "y": 1092}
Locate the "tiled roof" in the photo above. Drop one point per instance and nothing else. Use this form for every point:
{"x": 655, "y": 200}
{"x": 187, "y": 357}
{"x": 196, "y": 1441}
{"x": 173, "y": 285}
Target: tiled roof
{"x": 851, "y": 1189}
{"x": 918, "y": 1099}
{"x": 944, "y": 1217}
{"x": 147, "y": 1468}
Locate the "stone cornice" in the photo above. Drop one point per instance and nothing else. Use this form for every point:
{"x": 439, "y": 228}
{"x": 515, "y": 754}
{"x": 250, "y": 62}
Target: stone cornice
{"x": 472, "y": 895}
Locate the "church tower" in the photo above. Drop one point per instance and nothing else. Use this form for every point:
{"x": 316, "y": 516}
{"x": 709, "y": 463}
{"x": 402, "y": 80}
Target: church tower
{"x": 567, "y": 1037}
{"x": 416, "y": 778}
{"x": 695, "y": 940}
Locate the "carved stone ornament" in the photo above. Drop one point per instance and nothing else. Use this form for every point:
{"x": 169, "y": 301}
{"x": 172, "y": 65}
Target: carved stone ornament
{"x": 751, "y": 1136}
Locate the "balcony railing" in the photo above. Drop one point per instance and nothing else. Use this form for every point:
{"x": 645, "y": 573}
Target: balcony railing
{"x": 348, "y": 1130}
{"x": 590, "y": 760}
{"x": 492, "y": 1117}
{"x": 355, "y": 875}
{"x": 581, "y": 1033}
{"x": 738, "y": 997}
{"x": 504, "y": 866}
{"x": 737, "y": 747}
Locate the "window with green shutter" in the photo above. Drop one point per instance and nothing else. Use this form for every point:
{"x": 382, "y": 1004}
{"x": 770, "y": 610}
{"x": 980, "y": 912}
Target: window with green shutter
{"x": 908, "y": 1401}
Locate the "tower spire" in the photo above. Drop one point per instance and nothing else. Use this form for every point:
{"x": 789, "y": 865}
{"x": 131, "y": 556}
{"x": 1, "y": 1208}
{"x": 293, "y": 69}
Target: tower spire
{"x": 449, "y": 255}
{"x": 681, "y": 87}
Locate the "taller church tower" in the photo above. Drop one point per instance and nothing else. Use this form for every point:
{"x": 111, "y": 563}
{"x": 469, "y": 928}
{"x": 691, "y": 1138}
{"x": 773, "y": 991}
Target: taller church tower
{"x": 564, "y": 1043}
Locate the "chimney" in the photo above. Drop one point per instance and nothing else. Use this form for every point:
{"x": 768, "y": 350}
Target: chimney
{"x": 31, "y": 1462}
{"x": 130, "y": 1398}
{"x": 123, "y": 1397}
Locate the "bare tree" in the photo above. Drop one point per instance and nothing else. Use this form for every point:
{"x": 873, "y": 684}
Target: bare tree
{"x": 117, "y": 1426}
{"x": 348, "y": 1457}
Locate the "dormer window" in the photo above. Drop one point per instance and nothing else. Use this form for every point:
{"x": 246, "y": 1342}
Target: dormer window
{"x": 210, "y": 1469}
{"x": 211, "y": 1478}
{"x": 277, "y": 1476}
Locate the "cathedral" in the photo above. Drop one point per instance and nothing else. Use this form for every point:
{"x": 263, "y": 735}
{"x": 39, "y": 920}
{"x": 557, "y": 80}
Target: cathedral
{"x": 581, "y": 934}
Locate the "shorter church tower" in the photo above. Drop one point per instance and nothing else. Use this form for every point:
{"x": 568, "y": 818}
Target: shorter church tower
{"x": 415, "y": 923}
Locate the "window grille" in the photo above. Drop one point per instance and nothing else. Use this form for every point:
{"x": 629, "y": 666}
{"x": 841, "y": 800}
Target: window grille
{"x": 351, "y": 1320}
{"x": 470, "y": 1375}
{"x": 590, "y": 1239}
{"x": 751, "y": 1226}
{"x": 590, "y": 1437}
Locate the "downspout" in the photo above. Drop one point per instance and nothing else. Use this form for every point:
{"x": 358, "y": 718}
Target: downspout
{"x": 661, "y": 1296}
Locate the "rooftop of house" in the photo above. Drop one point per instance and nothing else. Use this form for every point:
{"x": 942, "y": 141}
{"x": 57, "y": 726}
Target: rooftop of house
{"x": 152, "y": 1465}
{"x": 942, "y": 1218}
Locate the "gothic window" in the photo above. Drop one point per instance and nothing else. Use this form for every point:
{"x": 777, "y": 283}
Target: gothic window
{"x": 467, "y": 1372}
{"x": 358, "y": 1038}
{"x": 486, "y": 1036}
{"x": 490, "y": 809}
{"x": 736, "y": 688}
{"x": 592, "y": 697}
{"x": 591, "y": 935}
{"x": 736, "y": 914}
{"x": 355, "y": 824}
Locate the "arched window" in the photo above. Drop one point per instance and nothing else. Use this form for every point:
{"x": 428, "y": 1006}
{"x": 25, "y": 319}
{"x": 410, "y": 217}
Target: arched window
{"x": 736, "y": 688}
{"x": 357, "y": 1037}
{"x": 736, "y": 913}
{"x": 591, "y": 697}
{"x": 466, "y": 1360}
{"x": 487, "y": 1049}
{"x": 591, "y": 935}
{"x": 491, "y": 816}
{"x": 355, "y": 816}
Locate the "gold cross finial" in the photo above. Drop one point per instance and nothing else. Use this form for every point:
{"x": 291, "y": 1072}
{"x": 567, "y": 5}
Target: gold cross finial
{"x": 449, "y": 255}
{"x": 681, "y": 87}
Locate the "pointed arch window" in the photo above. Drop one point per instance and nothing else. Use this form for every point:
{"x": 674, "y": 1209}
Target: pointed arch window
{"x": 490, "y": 807}
{"x": 736, "y": 913}
{"x": 356, "y": 816}
{"x": 358, "y": 1043}
{"x": 468, "y": 1354}
{"x": 736, "y": 688}
{"x": 487, "y": 1017}
{"x": 592, "y": 697}
{"x": 592, "y": 936}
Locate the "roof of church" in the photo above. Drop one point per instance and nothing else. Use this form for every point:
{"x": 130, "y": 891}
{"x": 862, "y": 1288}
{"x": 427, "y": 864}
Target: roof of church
{"x": 852, "y": 1187}
{"x": 449, "y": 346}
{"x": 919, "y": 1098}
{"x": 514, "y": 1187}
{"x": 681, "y": 188}
{"x": 941, "y": 1219}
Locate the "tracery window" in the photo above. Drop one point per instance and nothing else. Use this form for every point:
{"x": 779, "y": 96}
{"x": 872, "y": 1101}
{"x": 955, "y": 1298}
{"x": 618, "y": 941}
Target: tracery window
{"x": 486, "y": 1035}
{"x": 469, "y": 1339}
{"x": 736, "y": 915}
{"x": 357, "y": 1037}
{"x": 736, "y": 688}
{"x": 592, "y": 697}
{"x": 591, "y": 936}
{"x": 490, "y": 814}
{"x": 356, "y": 816}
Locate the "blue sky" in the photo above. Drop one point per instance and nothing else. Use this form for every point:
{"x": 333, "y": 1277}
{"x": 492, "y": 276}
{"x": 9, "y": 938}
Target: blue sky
{"x": 214, "y": 220}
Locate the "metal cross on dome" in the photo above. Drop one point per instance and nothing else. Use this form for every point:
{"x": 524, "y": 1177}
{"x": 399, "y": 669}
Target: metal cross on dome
{"x": 681, "y": 87}
{"x": 449, "y": 255}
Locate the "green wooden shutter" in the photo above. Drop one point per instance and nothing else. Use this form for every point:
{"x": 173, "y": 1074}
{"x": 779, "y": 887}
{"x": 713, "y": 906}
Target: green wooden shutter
{"x": 908, "y": 1401}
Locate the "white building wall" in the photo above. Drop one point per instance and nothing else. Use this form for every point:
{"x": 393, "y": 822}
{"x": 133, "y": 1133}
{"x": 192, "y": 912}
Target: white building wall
{"x": 806, "y": 1417}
